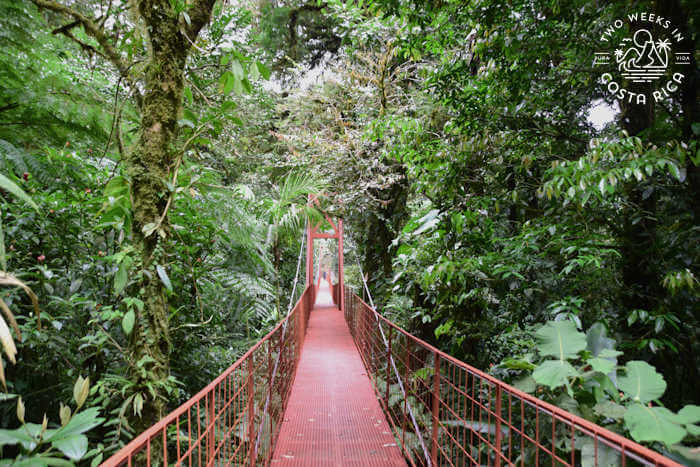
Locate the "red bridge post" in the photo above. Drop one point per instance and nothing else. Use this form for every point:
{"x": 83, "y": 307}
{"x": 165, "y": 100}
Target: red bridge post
{"x": 341, "y": 272}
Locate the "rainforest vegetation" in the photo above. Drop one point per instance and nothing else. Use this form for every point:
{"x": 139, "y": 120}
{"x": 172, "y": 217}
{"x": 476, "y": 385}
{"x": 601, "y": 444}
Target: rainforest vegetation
{"x": 155, "y": 162}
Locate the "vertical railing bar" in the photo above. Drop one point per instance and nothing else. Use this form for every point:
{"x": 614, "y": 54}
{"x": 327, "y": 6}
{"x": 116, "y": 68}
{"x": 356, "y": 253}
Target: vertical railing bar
{"x": 210, "y": 427}
{"x": 436, "y": 407}
{"x": 573, "y": 444}
{"x": 189, "y": 434}
{"x": 471, "y": 408}
{"x": 463, "y": 407}
{"x": 199, "y": 434}
{"x": 595, "y": 451}
{"x": 388, "y": 364}
{"x": 251, "y": 410}
{"x": 510, "y": 425}
{"x": 405, "y": 402}
{"x": 554, "y": 438}
{"x": 165, "y": 445}
{"x": 522, "y": 432}
{"x": 478, "y": 406}
{"x": 269, "y": 398}
{"x": 177, "y": 438}
{"x": 498, "y": 425}
{"x": 537, "y": 436}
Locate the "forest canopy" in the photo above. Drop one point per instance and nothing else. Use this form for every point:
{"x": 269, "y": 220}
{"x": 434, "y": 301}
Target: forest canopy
{"x": 499, "y": 190}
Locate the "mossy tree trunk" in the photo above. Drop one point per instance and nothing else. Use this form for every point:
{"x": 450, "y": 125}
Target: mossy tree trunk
{"x": 171, "y": 28}
{"x": 149, "y": 166}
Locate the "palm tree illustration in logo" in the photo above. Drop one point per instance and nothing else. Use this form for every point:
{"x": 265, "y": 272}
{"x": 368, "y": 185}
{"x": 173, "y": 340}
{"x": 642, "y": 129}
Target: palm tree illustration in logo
{"x": 644, "y": 59}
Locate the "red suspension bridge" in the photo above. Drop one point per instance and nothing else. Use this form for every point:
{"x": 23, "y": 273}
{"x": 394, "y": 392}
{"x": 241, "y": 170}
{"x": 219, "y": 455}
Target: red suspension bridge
{"x": 337, "y": 384}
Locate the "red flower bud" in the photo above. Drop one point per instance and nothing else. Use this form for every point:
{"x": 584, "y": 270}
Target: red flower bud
{"x": 25, "y": 176}
{"x": 88, "y": 190}
{"x": 40, "y": 258}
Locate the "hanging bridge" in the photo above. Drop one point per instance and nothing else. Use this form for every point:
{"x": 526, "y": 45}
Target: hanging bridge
{"x": 337, "y": 384}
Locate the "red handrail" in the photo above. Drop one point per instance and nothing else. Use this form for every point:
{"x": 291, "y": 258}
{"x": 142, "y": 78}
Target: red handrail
{"x": 235, "y": 419}
{"x": 446, "y": 412}
{"x": 442, "y": 411}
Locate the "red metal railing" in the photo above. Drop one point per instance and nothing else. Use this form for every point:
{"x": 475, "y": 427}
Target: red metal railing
{"x": 235, "y": 420}
{"x": 445, "y": 412}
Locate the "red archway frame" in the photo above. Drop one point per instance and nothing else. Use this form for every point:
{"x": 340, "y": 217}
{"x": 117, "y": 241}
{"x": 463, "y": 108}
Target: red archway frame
{"x": 313, "y": 233}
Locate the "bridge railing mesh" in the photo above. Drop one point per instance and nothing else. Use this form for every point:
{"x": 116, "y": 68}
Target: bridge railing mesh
{"x": 234, "y": 420}
{"x": 444, "y": 412}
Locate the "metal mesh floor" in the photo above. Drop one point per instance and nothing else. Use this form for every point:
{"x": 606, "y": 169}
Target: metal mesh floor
{"x": 333, "y": 417}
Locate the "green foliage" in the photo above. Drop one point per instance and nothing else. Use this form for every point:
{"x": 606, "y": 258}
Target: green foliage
{"x": 596, "y": 387}
{"x": 560, "y": 339}
{"x": 653, "y": 424}
{"x": 46, "y": 98}
{"x": 526, "y": 208}
{"x": 641, "y": 382}
{"x": 40, "y": 445}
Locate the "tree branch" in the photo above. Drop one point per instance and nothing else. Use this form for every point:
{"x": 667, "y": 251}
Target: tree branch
{"x": 66, "y": 27}
{"x": 200, "y": 14}
{"x": 8, "y": 107}
{"x": 94, "y": 31}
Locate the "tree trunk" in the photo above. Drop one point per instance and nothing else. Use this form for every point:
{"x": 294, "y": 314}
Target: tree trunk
{"x": 149, "y": 165}
{"x": 638, "y": 235}
{"x": 381, "y": 229}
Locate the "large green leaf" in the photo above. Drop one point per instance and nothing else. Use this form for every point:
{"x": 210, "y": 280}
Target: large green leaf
{"x": 162, "y": 273}
{"x": 689, "y": 414}
{"x": 121, "y": 277}
{"x": 597, "y": 340}
{"x": 560, "y": 339}
{"x": 526, "y": 384}
{"x": 607, "y": 385}
{"x": 554, "y": 373}
{"x": 8, "y": 185}
{"x": 48, "y": 461}
{"x": 80, "y": 423}
{"x": 74, "y": 447}
{"x": 653, "y": 424}
{"x": 602, "y": 365}
{"x": 128, "y": 322}
{"x": 264, "y": 70}
{"x": 20, "y": 435}
{"x": 642, "y": 383}
{"x": 596, "y": 454}
{"x": 610, "y": 409}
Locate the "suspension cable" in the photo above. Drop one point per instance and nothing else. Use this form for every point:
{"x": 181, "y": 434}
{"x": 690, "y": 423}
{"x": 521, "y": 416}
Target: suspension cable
{"x": 393, "y": 364}
{"x": 284, "y": 332}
